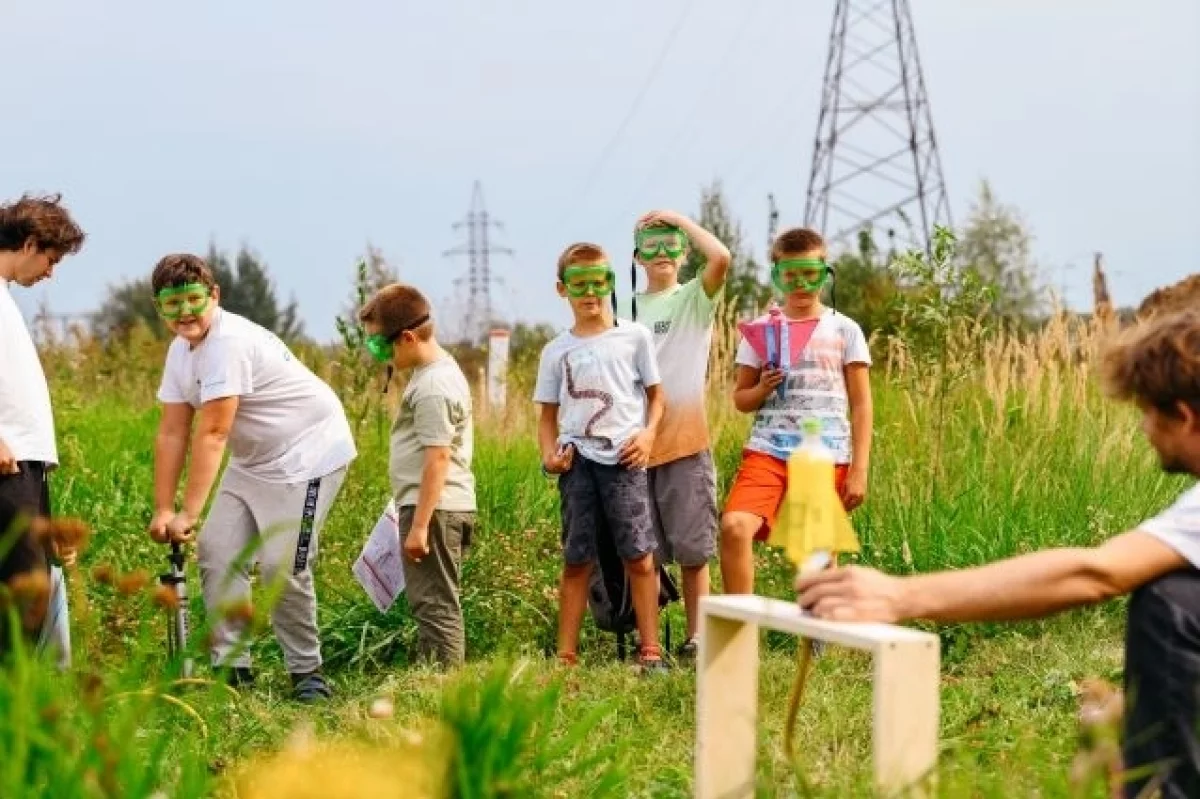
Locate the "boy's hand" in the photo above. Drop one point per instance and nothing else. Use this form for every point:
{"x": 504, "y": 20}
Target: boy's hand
{"x": 636, "y": 452}
{"x": 855, "y": 489}
{"x": 416, "y": 543}
{"x": 158, "y": 525}
{"x": 559, "y": 462}
{"x": 182, "y": 528}
{"x": 769, "y": 380}
{"x": 8, "y": 463}
{"x": 664, "y": 217}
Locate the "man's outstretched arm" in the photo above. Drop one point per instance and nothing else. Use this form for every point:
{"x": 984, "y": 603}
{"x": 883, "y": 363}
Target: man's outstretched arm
{"x": 1023, "y": 587}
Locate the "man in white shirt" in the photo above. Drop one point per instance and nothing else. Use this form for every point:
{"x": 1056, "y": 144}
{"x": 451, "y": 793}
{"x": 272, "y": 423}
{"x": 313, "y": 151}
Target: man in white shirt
{"x": 1156, "y": 365}
{"x": 35, "y": 234}
{"x": 290, "y": 445}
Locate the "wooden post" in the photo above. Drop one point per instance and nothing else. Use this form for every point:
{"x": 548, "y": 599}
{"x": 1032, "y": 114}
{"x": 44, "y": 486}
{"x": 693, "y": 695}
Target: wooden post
{"x": 905, "y": 704}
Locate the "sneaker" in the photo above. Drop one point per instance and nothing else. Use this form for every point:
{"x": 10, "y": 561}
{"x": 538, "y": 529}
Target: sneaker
{"x": 649, "y": 661}
{"x": 310, "y": 687}
{"x": 240, "y": 676}
{"x": 688, "y": 651}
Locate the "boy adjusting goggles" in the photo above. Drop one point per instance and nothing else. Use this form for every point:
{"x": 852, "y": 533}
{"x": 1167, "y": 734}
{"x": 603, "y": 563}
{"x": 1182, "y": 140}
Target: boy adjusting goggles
{"x": 383, "y": 346}
{"x": 809, "y": 274}
{"x": 598, "y": 280}
{"x": 655, "y": 241}
{"x": 190, "y": 299}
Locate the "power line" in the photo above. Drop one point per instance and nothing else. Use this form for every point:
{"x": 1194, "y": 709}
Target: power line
{"x": 633, "y": 109}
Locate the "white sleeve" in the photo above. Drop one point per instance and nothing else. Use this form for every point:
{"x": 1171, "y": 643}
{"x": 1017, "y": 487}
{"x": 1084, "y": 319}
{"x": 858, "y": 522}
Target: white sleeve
{"x": 647, "y": 359}
{"x": 170, "y": 389}
{"x": 746, "y": 356}
{"x": 1179, "y": 526}
{"x": 548, "y": 388}
{"x": 228, "y": 370}
{"x": 855, "y": 349}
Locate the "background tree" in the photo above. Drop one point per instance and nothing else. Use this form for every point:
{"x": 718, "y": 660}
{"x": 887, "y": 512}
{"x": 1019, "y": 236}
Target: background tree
{"x": 995, "y": 243}
{"x": 745, "y": 289}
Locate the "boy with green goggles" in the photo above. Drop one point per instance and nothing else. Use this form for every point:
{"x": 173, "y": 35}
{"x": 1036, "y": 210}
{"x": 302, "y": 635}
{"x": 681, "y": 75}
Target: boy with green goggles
{"x": 190, "y": 299}
{"x": 792, "y": 274}
{"x": 653, "y": 242}
{"x": 597, "y": 280}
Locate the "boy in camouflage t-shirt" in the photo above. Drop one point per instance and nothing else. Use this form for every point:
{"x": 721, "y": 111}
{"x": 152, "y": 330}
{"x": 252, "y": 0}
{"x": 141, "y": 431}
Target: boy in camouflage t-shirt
{"x": 683, "y": 483}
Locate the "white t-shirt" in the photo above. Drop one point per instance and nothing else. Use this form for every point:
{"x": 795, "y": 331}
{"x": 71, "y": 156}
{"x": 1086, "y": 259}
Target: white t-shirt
{"x": 680, "y": 319}
{"x": 598, "y": 383}
{"x": 26, "y": 417}
{"x": 1179, "y": 526}
{"x": 816, "y": 388}
{"x": 289, "y": 427}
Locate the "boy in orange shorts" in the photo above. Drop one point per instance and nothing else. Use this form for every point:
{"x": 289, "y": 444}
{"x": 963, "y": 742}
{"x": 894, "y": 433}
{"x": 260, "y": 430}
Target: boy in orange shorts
{"x": 822, "y": 374}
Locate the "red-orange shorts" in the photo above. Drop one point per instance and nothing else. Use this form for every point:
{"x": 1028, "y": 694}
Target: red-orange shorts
{"x": 759, "y": 487}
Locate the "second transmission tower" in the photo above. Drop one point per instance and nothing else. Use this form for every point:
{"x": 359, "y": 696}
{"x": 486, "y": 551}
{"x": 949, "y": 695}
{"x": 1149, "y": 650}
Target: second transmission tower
{"x": 478, "y": 249}
{"x": 875, "y": 159}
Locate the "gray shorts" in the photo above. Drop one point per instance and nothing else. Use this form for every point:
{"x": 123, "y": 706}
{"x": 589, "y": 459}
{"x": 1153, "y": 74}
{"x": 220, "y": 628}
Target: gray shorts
{"x": 684, "y": 499}
{"x": 598, "y": 499}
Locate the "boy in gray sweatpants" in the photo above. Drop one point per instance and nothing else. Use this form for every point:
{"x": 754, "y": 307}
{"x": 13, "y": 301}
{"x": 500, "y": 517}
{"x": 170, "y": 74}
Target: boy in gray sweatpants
{"x": 430, "y": 466}
{"x": 229, "y": 382}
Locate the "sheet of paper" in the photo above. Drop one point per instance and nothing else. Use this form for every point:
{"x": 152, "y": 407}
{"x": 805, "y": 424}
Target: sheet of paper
{"x": 380, "y": 566}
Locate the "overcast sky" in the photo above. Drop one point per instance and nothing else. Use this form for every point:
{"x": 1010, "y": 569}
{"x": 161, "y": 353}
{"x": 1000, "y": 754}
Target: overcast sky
{"x": 307, "y": 129}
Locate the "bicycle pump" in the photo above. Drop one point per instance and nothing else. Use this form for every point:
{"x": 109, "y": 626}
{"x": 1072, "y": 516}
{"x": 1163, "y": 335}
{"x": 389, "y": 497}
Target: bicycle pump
{"x": 177, "y": 622}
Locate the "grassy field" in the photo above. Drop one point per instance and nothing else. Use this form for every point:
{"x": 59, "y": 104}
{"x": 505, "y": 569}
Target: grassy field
{"x": 1016, "y": 452}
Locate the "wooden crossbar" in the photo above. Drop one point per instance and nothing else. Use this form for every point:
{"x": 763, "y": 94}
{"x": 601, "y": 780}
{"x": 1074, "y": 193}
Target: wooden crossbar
{"x": 905, "y": 704}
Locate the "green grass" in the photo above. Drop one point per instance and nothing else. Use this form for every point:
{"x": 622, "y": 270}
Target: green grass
{"x": 1046, "y": 462}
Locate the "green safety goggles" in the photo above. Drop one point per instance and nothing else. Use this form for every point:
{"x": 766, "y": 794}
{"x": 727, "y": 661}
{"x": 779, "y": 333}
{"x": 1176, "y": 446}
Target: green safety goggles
{"x": 598, "y": 280}
{"x": 809, "y": 274}
{"x": 655, "y": 241}
{"x": 177, "y": 301}
{"x": 383, "y": 346}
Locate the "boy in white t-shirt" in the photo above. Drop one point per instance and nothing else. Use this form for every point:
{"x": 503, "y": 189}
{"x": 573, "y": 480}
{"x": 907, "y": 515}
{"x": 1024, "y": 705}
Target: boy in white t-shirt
{"x": 601, "y": 403}
{"x": 683, "y": 480}
{"x": 290, "y": 445}
{"x": 825, "y": 378}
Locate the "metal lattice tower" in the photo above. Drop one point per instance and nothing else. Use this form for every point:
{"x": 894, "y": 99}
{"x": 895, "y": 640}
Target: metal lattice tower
{"x": 478, "y": 250}
{"x": 875, "y": 160}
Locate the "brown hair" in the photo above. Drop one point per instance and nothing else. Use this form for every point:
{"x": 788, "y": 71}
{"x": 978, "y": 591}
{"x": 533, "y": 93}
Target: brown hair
{"x": 179, "y": 269}
{"x": 45, "y": 220}
{"x": 797, "y": 241}
{"x": 580, "y": 252}
{"x": 1157, "y": 363}
{"x": 396, "y": 307}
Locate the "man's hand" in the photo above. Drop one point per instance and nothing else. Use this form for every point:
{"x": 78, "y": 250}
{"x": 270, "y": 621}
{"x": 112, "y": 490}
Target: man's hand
{"x": 181, "y": 529}
{"x": 852, "y": 593}
{"x": 636, "y": 452}
{"x": 8, "y": 463}
{"x": 855, "y": 489}
{"x": 416, "y": 543}
{"x": 559, "y": 462}
{"x": 158, "y": 525}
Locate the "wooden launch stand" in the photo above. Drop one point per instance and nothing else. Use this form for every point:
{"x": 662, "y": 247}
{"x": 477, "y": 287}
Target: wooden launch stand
{"x": 905, "y": 704}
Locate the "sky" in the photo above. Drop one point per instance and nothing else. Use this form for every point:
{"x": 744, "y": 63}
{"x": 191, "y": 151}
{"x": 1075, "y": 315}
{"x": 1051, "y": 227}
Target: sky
{"x": 307, "y": 130}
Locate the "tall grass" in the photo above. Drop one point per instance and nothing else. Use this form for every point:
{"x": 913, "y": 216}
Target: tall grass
{"x": 1032, "y": 455}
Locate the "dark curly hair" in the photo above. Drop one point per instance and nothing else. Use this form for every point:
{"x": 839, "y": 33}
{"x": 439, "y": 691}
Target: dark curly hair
{"x": 42, "y": 218}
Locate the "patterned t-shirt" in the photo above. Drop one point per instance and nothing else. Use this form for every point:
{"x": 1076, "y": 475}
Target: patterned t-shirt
{"x": 681, "y": 320}
{"x": 598, "y": 383}
{"x": 816, "y": 388}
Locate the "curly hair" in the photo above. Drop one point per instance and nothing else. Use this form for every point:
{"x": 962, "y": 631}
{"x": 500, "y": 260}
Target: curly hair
{"x": 1157, "y": 363}
{"x": 44, "y": 219}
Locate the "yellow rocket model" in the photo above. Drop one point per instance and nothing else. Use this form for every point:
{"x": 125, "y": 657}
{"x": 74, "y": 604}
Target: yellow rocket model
{"x": 813, "y": 526}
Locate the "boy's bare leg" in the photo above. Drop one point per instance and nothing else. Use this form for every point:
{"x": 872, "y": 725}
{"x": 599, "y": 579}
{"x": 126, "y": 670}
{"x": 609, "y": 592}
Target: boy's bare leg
{"x": 695, "y": 586}
{"x": 643, "y": 582}
{"x": 737, "y": 553}
{"x": 572, "y": 603}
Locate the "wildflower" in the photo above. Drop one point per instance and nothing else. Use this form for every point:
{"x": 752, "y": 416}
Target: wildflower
{"x": 133, "y": 582}
{"x": 242, "y": 611}
{"x": 31, "y": 590}
{"x": 104, "y": 574}
{"x": 166, "y": 598}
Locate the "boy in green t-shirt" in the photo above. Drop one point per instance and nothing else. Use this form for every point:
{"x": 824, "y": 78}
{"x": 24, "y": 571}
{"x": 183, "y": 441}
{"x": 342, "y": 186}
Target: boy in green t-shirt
{"x": 680, "y": 317}
{"x": 430, "y": 466}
